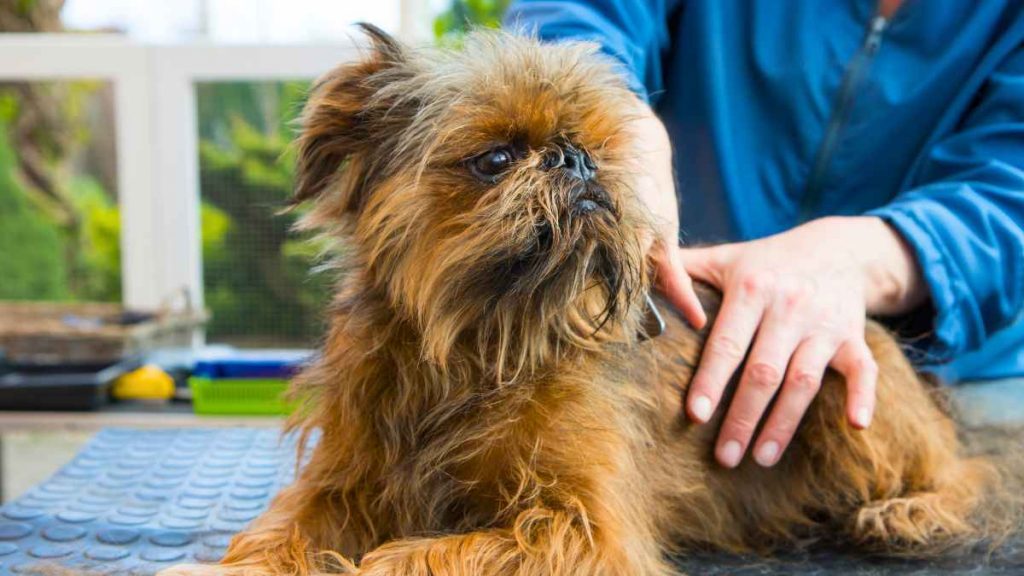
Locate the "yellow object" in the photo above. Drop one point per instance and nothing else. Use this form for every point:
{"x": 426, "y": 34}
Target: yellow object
{"x": 146, "y": 383}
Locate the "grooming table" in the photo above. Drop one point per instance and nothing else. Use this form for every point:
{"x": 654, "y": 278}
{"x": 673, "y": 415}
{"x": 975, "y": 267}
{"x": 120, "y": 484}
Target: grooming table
{"x": 135, "y": 501}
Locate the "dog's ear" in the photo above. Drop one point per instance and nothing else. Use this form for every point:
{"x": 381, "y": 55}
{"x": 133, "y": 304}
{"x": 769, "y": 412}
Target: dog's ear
{"x": 336, "y": 123}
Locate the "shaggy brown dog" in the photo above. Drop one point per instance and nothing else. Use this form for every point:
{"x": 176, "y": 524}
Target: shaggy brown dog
{"x": 485, "y": 401}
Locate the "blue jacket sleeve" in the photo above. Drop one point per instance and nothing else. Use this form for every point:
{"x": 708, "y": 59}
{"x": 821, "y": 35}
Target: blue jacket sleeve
{"x": 965, "y": 220}
{"x": 634, "y": 32}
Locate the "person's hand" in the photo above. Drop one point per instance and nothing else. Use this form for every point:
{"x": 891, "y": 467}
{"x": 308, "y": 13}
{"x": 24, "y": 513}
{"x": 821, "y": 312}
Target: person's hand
{"x": 656, "y": 189}
{"x": 797, "y": 301}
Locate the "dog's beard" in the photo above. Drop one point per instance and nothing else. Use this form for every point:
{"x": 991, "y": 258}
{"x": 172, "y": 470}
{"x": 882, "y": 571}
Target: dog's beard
{"x": 577, "y": 265}
{"x": 529, "y": 288}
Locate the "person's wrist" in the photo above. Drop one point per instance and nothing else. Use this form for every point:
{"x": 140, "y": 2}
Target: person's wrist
{"x": 893, "y": 282}
{"x": 654, "y": 168}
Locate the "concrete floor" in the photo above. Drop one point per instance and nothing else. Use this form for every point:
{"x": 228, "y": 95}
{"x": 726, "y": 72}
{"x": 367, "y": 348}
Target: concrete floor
{"x": 31, "y": 457}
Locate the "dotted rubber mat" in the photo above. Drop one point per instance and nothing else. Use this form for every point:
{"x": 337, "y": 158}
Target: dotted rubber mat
{"x": 137, "y": 501}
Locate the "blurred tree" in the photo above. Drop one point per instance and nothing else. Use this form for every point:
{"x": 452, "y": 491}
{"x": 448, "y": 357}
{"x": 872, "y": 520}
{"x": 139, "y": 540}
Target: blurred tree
{"x": 39, "y": 129}
{"x": 30, "y": 245}
{"x": 31, "y": 15}
{"x": 47, "y": 126}
{"x": 463, "y": 15}
{"x": 256, "y": 271}
{"x": 99, "y": 240}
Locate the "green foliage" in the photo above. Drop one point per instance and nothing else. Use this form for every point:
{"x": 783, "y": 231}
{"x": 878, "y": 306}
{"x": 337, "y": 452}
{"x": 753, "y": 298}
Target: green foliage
{"x": 8, "y": 109}
{"x": 463, "y": 15}
{"x": 214, "y": 225}
{"x": 267, "y": 108}
{"x": 31, "y": 249}
{"x": 23, "y": 7}
{"x": 35, "y": 250}
{"x": 257, "y": 272}
{"x": 100, "y": 242}
{"x": 66, "y": 250}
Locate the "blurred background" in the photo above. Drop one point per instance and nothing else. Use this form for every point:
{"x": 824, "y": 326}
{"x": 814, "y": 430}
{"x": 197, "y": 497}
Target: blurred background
{"x": 147, "y": 279}
{"x": 62, "y": 209}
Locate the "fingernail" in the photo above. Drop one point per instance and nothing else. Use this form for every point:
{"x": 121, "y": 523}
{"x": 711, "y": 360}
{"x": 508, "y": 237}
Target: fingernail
{"x": 767, "y": 453}
{"x": 701, "y": 408}
{"x": 863, "y": 418}
{"x": 730, "y": 454}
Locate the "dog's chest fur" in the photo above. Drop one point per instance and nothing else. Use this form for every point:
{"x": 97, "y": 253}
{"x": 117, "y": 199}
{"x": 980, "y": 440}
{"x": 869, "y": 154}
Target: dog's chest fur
{"x": 464, "y": 452}
{"x": 608, "y": 417}
{"x": 513, "y": 444}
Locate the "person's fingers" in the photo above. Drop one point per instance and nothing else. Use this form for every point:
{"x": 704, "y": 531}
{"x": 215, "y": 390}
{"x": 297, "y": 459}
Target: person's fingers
{"x": 725, "y": 348}
{"x": 708, "y": 263}
{"x": 855, "y": 362}
{"x": 776, "y": 340}
{"x": 803, "y": 381}
{"x": 678, "y": 288}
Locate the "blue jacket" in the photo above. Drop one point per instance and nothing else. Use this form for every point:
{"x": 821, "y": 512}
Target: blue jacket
{"x": 785, "y": 110}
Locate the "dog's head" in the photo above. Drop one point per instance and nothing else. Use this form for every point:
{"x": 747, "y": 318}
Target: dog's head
{"x": 487, "y": 192}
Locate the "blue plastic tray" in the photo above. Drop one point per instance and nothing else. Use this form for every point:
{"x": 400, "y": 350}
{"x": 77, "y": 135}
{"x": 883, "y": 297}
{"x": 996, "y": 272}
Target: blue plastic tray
{"x": 251, "y": 364}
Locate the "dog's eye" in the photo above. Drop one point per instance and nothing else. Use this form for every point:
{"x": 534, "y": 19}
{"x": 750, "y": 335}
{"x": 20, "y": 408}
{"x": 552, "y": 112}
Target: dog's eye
{"x": 489, "y": 165}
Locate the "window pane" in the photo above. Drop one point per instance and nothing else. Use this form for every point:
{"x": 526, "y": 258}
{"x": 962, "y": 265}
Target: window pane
{"x": 257, "y": 272}
{"x": 59, "y": 220}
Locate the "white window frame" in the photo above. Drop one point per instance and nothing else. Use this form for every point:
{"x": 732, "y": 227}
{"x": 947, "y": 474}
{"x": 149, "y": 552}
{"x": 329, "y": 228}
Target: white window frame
{"x": 157, "y": 136}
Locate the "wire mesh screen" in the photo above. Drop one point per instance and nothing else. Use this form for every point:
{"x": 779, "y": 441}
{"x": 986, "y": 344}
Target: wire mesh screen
{"x": 59, "y": 221}
{"x": 256, "y": 272}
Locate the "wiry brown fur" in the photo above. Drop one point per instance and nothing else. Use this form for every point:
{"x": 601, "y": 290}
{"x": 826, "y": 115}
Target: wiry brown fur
{"x": 485, "y": 404}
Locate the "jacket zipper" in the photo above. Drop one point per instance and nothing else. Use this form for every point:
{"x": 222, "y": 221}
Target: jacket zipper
{"x": 853, "y": 76}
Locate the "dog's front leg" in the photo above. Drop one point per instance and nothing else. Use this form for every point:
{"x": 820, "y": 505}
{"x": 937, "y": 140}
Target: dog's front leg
{"x": 292, "y": 537}
{"x": 540, "y": 543}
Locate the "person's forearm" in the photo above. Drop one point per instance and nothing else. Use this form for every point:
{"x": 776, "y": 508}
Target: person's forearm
{"x": 893, "y": 280}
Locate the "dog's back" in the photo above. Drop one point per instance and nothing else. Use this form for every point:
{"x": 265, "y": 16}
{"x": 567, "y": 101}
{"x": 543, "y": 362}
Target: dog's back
{"x": 905, "y": 484}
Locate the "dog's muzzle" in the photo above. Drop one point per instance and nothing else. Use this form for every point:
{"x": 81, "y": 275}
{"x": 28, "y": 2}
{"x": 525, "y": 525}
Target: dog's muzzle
{"x": 589, "y": 197}
{"x": 579, "y": 168}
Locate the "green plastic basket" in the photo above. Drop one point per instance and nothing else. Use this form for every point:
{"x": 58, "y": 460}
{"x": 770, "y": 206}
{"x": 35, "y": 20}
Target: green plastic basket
{"x": 239, "y": 396}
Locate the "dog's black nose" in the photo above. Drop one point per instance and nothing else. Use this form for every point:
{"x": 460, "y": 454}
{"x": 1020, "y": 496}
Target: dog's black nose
{"x": 576, "y": 163}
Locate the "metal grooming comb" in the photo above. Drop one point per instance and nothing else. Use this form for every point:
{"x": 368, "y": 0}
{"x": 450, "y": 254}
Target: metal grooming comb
{"x": 653, "y": 324}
